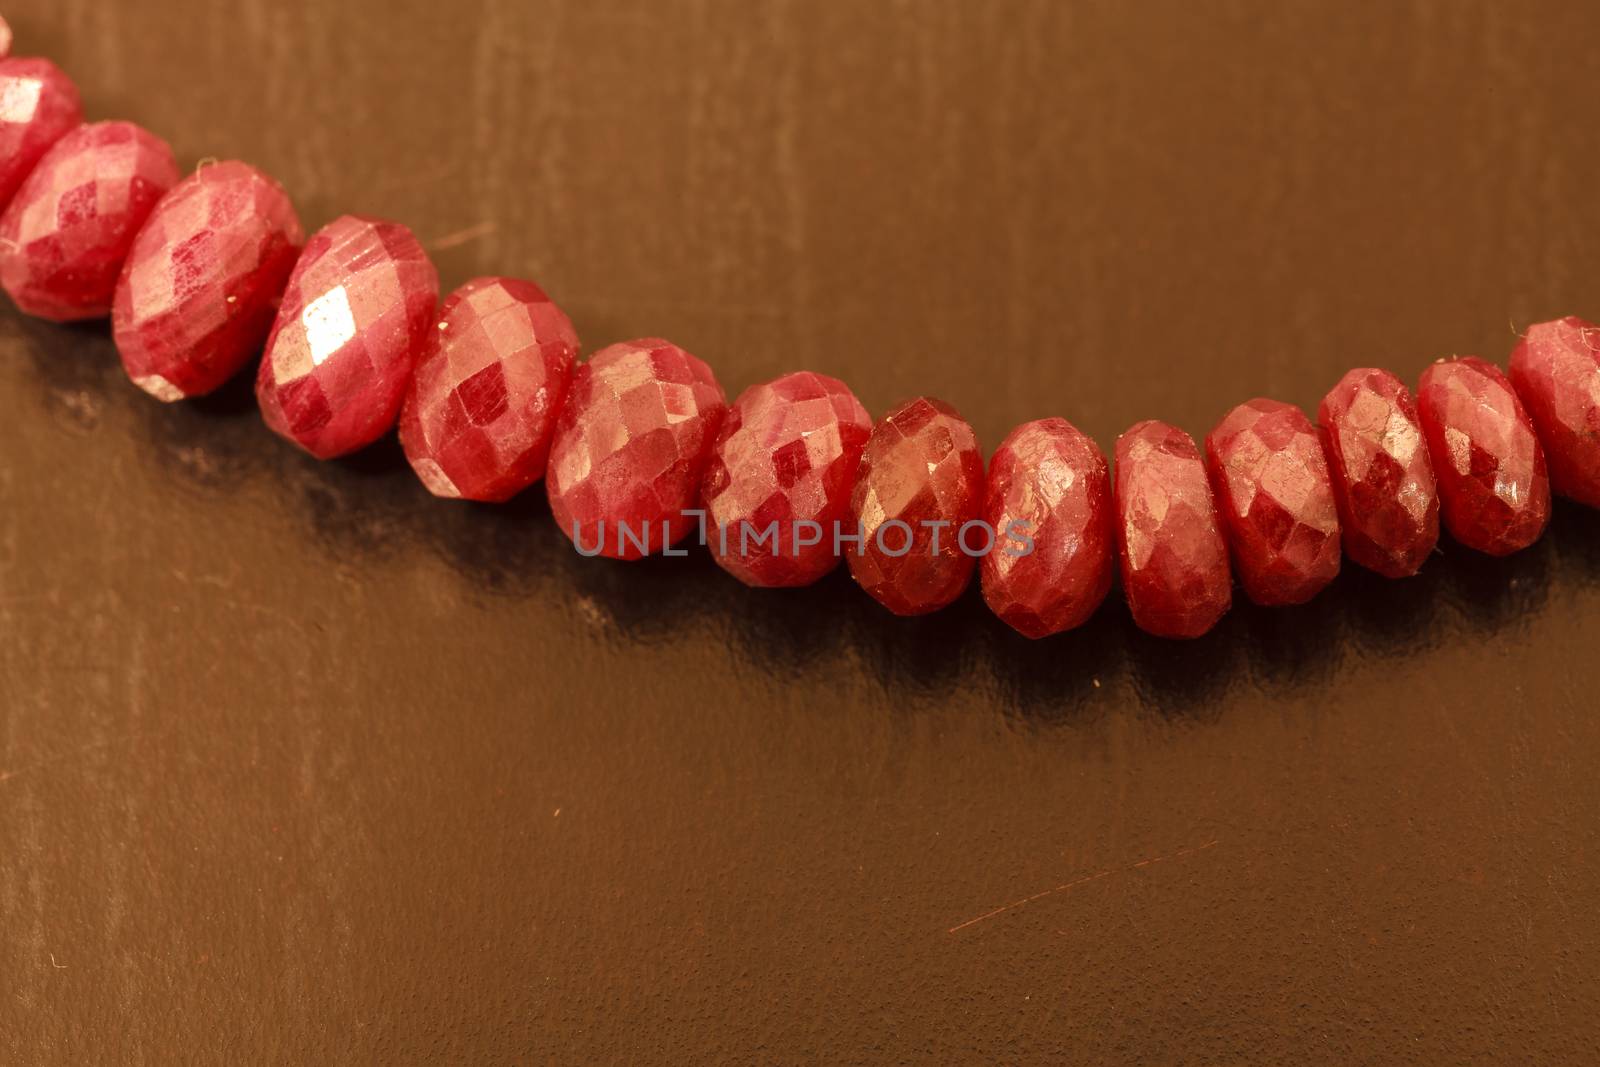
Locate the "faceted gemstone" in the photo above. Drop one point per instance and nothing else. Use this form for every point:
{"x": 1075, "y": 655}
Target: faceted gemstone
{"x": 631, "y": 446}
{"x": 357, "y": 309}
{"x": 1049, "y": 503}
{"x": 66, "y": 233}
{"x": 486, "y": 391}
{"x": 1556, "y": 371}
{"x": 1382, "y": 475}
{"x": 1492, "y": 478}
{"x": 202, "y": 280}
{"x": 1270, "y": 483}
{"x": 1174, "y": 562}
{"x": 785, "y": 460}
{"x": 38, "y": 105}
{"x": 919, "y": 486}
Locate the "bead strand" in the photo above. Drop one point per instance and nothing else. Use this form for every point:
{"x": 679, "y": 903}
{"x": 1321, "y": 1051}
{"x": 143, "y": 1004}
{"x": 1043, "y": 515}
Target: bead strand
{"x": 201, "y": 275}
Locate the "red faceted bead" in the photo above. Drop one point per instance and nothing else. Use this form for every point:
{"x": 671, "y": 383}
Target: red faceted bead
{"x": 1275, "y": 502}
{"x": 357, "y": 309}
{"x": 631, "y": 446}
{"x": 486, "y": 391}
{"x": 919, "y": 486}
{"x": 1555, "y": 369}
{"x": 785, "y": 460}
{"x": 1174, "y": 562}
{"x": 1492, "y": 478}
{"x": 1049, "y": 503}
{"x": 202, "y": 280}
{"x": 1382, "y": 474}
{"x": 38, "y": 106}
{"x": 66, "y": 233}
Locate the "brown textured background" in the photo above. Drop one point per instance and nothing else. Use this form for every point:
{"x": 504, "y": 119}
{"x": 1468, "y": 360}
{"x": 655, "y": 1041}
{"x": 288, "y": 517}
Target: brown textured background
{"x": 300, "y": 765}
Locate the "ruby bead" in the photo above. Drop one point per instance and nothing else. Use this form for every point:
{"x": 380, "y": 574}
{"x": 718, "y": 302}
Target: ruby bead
{"x": 1049, "y": 503}
{"x": 1174, "y": 562}
{"x": 1275, "y": 503}
{"x": 202, "y": 280}
{"x": 488, "y": 385}
{"x": 66, "y": 233}
{"x": 631, "y": 447}
{"x": 787, "y": 454}
{"x": 38, "y": 106}
{"x": 1382, "y": 474}
{"x": 356, "y": 311}
{"x": 1493, "y": 484}
{"x": 919, "y": 485}
{"x": 1555, "y": 369}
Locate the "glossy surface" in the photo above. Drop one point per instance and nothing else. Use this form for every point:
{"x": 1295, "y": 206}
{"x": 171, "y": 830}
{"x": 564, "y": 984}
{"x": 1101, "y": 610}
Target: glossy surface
{"x": 631, "y": 446}
{"x": 355, "y": 314}
{"x": 303, "y": 765}
{"x": 919, "y": 484}
{"x": 1493, "y": 485}
{"x": 1170, "y": 547}
{"x": 487, "y": 389}
{"x": 1048, "y": 500}
{"x": 66, "y": 233}
{"x": 38, "y": 105}
{"x": 202, "y": 282}
{"x": 1382, "y": 473}
{"x": 1555, "y": 369}
{"x": 787, "y": 453}
{"x": 1274, "y": 501}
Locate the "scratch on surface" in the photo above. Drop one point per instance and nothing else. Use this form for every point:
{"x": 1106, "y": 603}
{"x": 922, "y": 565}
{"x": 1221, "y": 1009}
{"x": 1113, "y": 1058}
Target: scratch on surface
{"x": 1085, "y": 880}
{"x": 461, "y": 237}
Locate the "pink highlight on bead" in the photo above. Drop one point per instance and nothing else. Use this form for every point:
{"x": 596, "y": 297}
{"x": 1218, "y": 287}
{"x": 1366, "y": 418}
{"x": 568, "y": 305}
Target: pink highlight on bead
{"x": 631, "y": 447}
{"x": 920, "y": 482}
{"x": 38, "y": 106}
{"x": 201, "y": 283}
{"x": 1555, "y": 370}
{"x": 787, "y": 454}
{"x": 67, "y": 232}
{"x": 1174, "y": 561}
{"x": 5, "y": 38}
{"x": 355, "y": 314}
{"x": 1493, "y": 483}
{"x": 1049, "y": 503}
{"x": 486, "y": 391}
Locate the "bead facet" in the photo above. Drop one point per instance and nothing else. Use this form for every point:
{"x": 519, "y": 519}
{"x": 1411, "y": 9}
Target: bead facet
{"x": 1555, "y": 369}
{"x": 1382, "y": 474}
{"x": 202, "y": 280}
{"x": 66, "y": 233}
{"x": 787, "y": 454}
{"x": 487, "y": 388}
{"x": 919, "y": 485}
{"x": 1270, "y": 484}
{"x": 1174, "y": 562}
{"x": 1048, "y": 483}
{"x": 356, "y": 311}
{"x": 38, "y": 106}
{"x": 1493, "y": 484}
{"x": 631, "y": 447}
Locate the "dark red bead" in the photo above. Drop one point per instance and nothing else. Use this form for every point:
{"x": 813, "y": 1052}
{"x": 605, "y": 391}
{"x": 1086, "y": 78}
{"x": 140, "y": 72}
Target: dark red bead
{"x": 1555, "y": 369}
{"x": 919, "y": 485}
{"x": 486, "y": 391}
{"x": 357, "y": 308}
{"x": 38, "y": 106}
{"x": 1049, "y": 503}
{"x": 1270, "y": 484}
{"x": 1493, "y": 483}
{"x": 1174, "y": 562}
{"x": 631, "y": 447}
{"x": 200, "y": 286}
{"x": 66, "y": 233}
{"x": 787, "y": 455}
{"x": 1382, "y": 474}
